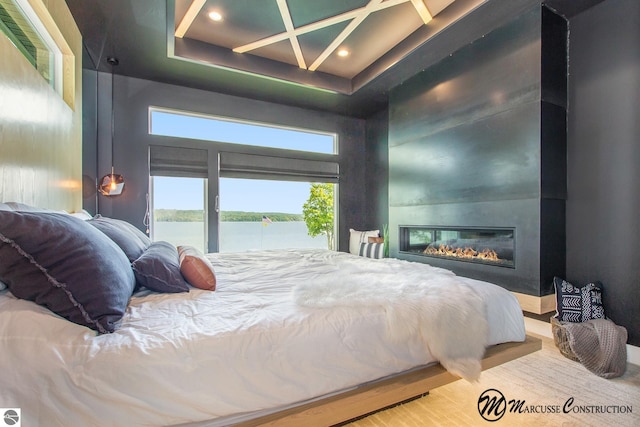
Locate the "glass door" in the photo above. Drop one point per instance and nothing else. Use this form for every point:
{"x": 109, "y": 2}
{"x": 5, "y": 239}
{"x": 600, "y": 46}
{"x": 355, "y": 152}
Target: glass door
{"x": 258, "y": 214}
{"x": 179, "y": 211}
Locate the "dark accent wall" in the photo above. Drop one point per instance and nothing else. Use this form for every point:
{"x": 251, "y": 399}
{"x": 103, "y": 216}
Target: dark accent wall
{"x": 479, "y": 140}
{"x": 132, "y": 99}
{"x": 376, "y": 212}
{"x": 603, "y": 176}
{"x": 89, "y": 138}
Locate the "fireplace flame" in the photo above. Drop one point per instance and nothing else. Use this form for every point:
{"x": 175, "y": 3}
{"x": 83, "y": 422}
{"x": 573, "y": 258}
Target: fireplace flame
{"x": 467, "y": 253}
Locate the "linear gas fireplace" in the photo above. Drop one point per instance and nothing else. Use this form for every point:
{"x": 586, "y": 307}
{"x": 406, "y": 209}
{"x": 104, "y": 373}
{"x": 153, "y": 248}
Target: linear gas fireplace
{"x": 493, "y": 246}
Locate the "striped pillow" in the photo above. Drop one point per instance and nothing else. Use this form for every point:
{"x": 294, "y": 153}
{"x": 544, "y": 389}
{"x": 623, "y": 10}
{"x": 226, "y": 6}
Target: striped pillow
{"x": 357, "y": 237}
{"x": 372, "y": 250}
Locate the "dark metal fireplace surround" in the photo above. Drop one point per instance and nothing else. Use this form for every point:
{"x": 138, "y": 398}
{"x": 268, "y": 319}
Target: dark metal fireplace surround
{"x": 477, "y": 155}
{"x": 491, "y": 246}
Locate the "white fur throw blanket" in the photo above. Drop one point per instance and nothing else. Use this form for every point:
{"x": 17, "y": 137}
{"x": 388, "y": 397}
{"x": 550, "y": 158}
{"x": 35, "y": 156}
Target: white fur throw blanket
{"x": 432, "y": 302}
{"x": 600, "y": 345}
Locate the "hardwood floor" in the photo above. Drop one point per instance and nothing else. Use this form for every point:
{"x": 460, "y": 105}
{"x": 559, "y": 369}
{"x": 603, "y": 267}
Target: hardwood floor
{"x": 552, "y": 391}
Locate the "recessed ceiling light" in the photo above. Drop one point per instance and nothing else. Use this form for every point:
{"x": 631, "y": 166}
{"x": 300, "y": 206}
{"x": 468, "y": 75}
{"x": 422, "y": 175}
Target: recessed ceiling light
{"x": 343, "y": 52}
{"x": 215, "y": 16}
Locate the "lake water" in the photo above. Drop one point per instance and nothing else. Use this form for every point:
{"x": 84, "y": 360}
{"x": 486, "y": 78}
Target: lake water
{"x": 241, "y": 236}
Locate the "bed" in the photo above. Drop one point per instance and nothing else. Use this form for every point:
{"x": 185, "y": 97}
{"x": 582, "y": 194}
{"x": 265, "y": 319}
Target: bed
{"x": 287, "y": 337}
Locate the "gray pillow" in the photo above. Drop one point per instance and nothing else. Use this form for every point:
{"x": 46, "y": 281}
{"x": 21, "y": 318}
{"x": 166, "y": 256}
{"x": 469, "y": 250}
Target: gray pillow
{"x": 158, "y": 269}
{"x": 132, "y": 241}
{"x": 66, "y": 265}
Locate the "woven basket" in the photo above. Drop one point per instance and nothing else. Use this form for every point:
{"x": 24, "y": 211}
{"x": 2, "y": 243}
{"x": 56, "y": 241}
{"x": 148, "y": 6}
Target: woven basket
{"x": 561, "y": 340}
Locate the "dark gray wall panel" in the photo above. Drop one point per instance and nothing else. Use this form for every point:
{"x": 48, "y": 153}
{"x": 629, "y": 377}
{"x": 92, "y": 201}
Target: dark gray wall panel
{"x": 603, "y": 224}
{"x": 470, "y": 140}
{"x": 553, "y": 154}
{"x": 552, "y": 243}
{"x": 377, "y": 171}
{"x": 89, "y": 149}
{"x": 493, "y": 158}
{"x": 494, "y": 74}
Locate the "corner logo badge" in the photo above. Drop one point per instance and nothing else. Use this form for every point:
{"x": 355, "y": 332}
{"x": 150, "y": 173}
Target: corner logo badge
{"x": 10, "y": 417}
{"x": 492, "y": 405}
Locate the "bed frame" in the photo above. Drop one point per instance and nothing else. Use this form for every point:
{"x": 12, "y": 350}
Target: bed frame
{"x": 386, "y": 392}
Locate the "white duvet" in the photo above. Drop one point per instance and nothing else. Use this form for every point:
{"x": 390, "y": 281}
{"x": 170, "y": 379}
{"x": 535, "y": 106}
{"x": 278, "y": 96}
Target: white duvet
{"x": 282, "y": 327}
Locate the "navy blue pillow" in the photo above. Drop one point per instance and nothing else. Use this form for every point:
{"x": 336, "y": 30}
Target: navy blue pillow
{"x": 158, "y": 269}
{"x": 132, "y": 241}
{"x": 66, "y": 265}
{"x": 578, "y": 303}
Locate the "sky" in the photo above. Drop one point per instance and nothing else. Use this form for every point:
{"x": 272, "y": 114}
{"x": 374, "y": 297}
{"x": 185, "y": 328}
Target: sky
{"x": 235, "y": 194}
{"x": 196, "y": 127}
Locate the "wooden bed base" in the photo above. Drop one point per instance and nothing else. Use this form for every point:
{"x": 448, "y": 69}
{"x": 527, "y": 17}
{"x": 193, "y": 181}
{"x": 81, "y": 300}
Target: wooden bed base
{"x": 386, "y": 392}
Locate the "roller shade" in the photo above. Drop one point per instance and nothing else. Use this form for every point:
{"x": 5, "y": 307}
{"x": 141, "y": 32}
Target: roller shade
{"x": 177, "y": 161}
{"x": 240, "y": 165}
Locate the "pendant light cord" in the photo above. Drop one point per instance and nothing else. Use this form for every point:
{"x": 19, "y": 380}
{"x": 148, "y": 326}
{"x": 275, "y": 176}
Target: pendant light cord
{"x": 96, "y": 183}
{"x": 113, "y": 62}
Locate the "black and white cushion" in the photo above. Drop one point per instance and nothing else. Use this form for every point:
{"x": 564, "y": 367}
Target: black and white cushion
{"x": 372, "y": 250}
{"x": 578, "y": 304}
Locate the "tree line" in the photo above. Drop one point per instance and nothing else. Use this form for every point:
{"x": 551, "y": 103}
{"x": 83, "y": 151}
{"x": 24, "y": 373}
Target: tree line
{"x": 179, "y": 215}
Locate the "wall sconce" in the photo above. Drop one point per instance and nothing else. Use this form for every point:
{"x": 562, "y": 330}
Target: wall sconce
{"x": 111, "y": 184}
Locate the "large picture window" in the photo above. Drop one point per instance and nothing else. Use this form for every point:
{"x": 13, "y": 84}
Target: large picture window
{"x": 255, "y": 200}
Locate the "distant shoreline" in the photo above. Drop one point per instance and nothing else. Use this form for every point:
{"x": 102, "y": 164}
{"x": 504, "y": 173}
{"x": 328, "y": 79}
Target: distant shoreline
{"x": 177, "y": 215}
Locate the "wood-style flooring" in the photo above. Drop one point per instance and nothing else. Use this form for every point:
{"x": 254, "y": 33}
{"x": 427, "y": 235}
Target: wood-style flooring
{"x": 550, "y": 390}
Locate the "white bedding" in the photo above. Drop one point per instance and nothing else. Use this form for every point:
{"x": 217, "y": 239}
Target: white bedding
{"x": 252, "y": 345}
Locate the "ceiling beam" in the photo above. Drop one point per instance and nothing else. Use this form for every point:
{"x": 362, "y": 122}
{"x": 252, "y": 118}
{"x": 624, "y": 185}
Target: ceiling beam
{"x": 314, "y": 26}
{"x": 189, "y": 17}
{"x": 288, "y": 25}
{"x": 422, "y": 10}
{"x": 368, "y": 9}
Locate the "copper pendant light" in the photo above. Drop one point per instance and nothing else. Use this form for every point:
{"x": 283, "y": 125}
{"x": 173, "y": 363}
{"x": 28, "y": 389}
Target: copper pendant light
{"x": 113, "y": 183}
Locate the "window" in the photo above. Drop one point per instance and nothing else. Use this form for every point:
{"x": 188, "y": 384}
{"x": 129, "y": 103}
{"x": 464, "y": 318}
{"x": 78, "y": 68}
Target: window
{"x": 257, "y": 200}
{"x": 24, "y": 28}
{"x": 265, "y": 214}
{"x": 179, "y": 211}
{"x": 196, "y": 126}
{"x": 179, "y": 195}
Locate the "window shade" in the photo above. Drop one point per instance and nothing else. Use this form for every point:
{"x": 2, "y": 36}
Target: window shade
{"x": 177, "y": 161}
{"x": 240, "y": 165}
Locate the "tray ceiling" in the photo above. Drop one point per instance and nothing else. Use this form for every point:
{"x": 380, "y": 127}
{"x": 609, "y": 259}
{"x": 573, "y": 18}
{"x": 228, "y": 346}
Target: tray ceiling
{"x": 141, "y": 34}
{"x": 290, "y": 39}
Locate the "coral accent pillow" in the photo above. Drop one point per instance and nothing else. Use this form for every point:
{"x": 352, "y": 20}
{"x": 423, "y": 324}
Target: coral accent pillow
{"x": 196, "y": 268}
